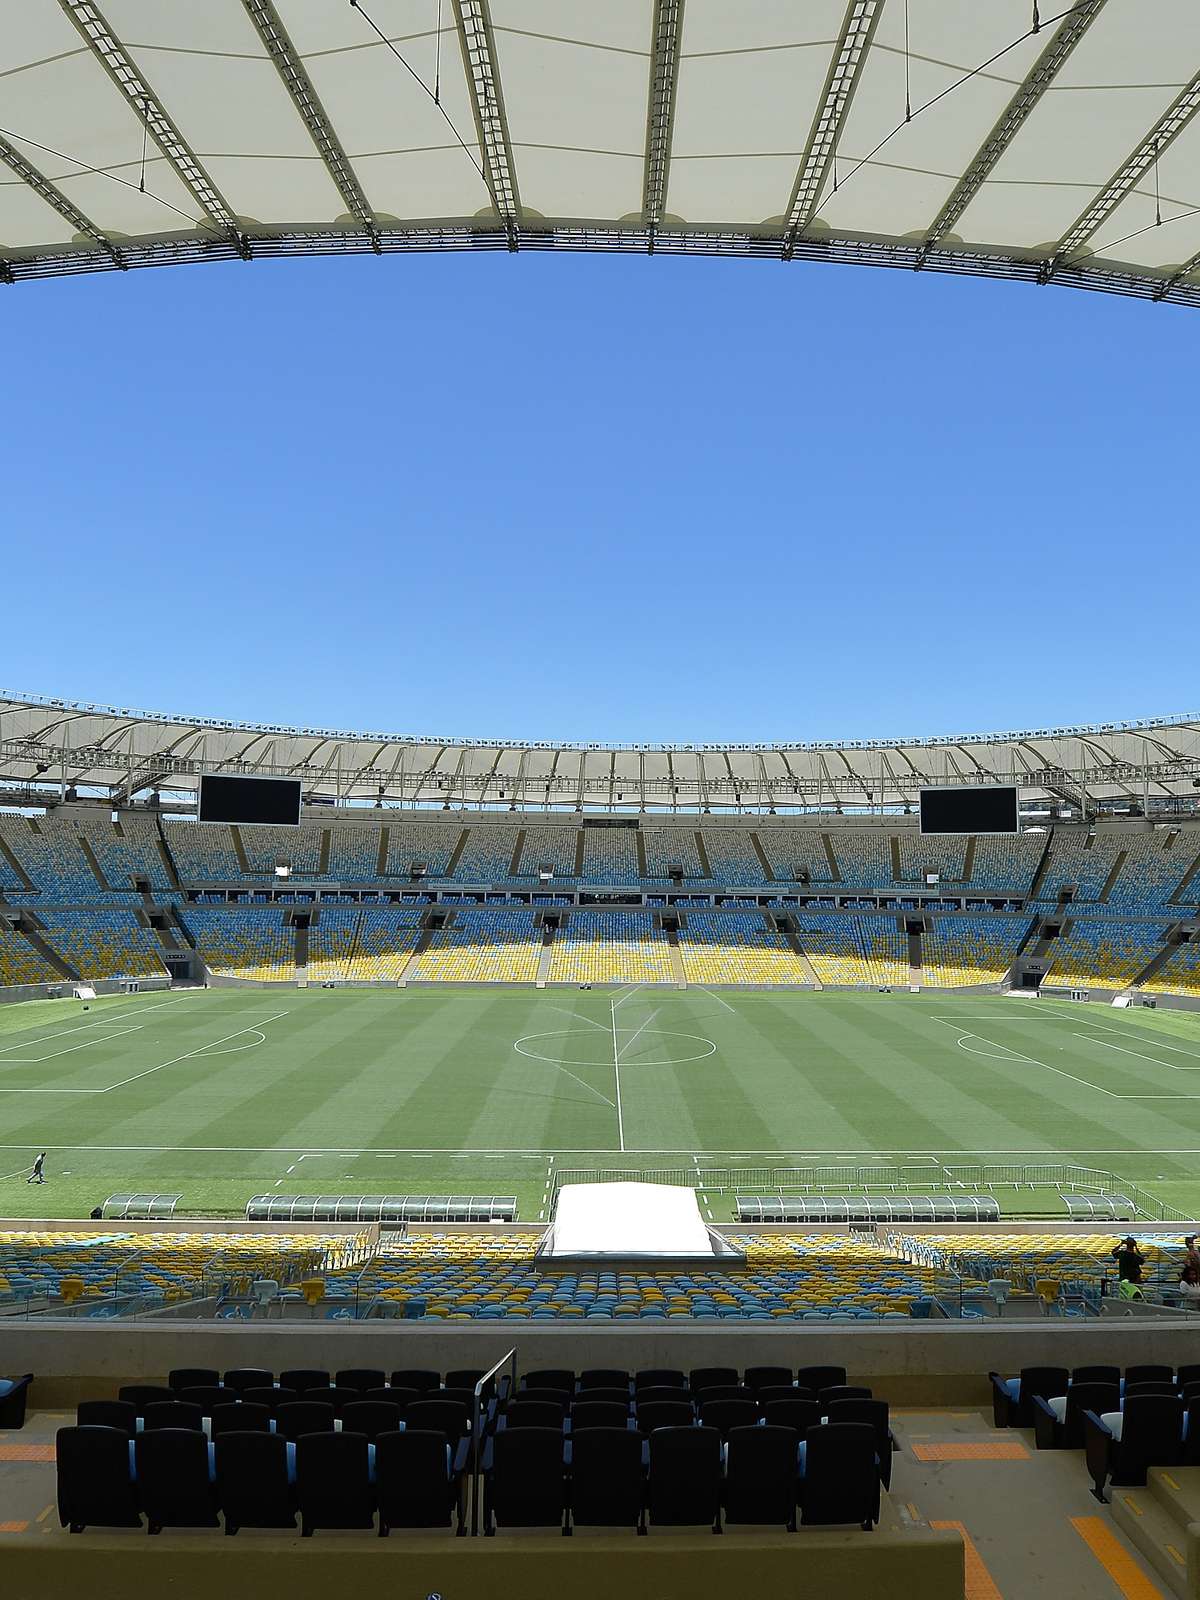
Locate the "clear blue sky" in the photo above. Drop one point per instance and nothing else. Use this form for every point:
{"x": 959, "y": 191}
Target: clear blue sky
{"x": 599, "y": 498}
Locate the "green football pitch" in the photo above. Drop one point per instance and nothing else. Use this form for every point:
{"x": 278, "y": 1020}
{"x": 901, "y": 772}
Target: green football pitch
{"x": 223, "y": 1094}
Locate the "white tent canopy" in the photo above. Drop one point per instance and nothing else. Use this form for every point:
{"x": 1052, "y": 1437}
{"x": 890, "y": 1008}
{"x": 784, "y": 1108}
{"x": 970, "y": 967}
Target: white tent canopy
{"x": 627, "y": 1219}
{"x": 988, "y": 138}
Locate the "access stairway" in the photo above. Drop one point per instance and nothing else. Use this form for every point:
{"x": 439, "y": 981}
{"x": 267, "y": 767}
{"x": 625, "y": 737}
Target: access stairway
{"x": 1163, "y": 1522}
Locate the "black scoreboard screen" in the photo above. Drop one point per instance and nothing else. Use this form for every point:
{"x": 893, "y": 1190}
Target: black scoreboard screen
{"x": 990, "y": 808}
{"x": 249, "y": 800}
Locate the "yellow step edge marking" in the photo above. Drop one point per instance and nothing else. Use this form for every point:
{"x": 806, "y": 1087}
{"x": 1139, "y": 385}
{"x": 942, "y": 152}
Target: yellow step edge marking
{"x": 1175, "y": 1556}
{"x": 978, "y": 1581}
{"x": 44, "y": 1513}
{"x": 1115, "y": 1559}
{"x": 1169, "y": 1480}
{"x": 1133, "y": 1505}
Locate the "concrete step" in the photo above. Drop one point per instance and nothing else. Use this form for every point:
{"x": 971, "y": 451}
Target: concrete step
{"x": 1177, "y": 1489}
{"x": 1151, "y": 1529}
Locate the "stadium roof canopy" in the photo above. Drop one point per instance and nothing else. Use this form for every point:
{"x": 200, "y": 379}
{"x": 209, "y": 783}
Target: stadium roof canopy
{"x": 51, "y": 745}
{"x": 972, "y": 136}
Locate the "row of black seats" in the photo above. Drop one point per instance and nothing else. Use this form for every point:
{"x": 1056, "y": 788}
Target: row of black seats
{"x": 681, "y": 1477}
{"x": 302, "y": 1379}
{"x": 1014, "y": 1400}
{"x": 699, "y": 1381}
{"x": 177, "y": 1479}
{"x": 290, "y": 1419}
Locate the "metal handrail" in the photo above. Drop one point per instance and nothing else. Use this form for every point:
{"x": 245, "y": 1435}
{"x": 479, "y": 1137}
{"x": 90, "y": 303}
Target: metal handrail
{"x": 509, "y": 1359}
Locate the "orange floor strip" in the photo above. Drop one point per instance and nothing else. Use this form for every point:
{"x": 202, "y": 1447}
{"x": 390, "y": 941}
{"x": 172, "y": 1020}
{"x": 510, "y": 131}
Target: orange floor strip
{"x": 1008, "y": 1451}
{"x": 1115, "y": 1559}
{"x": 14, "y": 1527}
{"x": 26, "y": 1452}
{"x": 979, "y": 1585}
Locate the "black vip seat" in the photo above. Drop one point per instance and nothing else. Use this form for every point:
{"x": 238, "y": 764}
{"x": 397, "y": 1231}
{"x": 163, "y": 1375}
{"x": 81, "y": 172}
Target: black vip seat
{"x": 141, "y": 1395}
{"x": 608, "y": 1479}
{"x": 616, "y": 1396}
{"x": 180, "y": 1378}
{"x": 465, "y": 1397}
{"x": 586, "y": 1414}
{"x": 842, "y": 1391}
{"x": 534, "y": 1414}
{"x": 684, "y": 1484}
{"x": 1189, "y": 1373}
{"x": 333, "y": 1482}
{"x": 559, "y": 1378}
{"x": 840, "y": 1480}
{"x": 662, "y": 1394}
{"x": 562, "y": 1398}
{"x": 760, "y": 1476}
{"x": 665, "y": 1414}
{"x": 107, "y": 1414}
{"x": 300, "y": 1418}
{"x": 701, "y": 1379}
{"x": 416, "y": 1378}
{"x": 301, "y": 1379}
{"x": 386, "y": 1395}
{"x": 252, "y": 1480}
{"x": 771, "y": 1378}
{"x": 447, "y": 1417}
{"x": 726, "y": 1414}
{"x": 875, "y": 1414}
{"x": 523, "y": 1479}
{"x": 249, "y": 1378}
{"x": 603, "y": 1378}
{"x": 173, "y": 1480}
{"x": 1058, "y": 1423}
{"x": 14, "y": 1395}
{"x": 360, "y": 1378}
{"x": 1095, "y": 1375}
{"x": 371, "y": 1418}
{"x": 800, "y": 1415}
{"x": 1190, "y": 1450}
{"x": 818, "y": 1378}
{"x": 771, "y": 1392}
{"x": 659, "y": 1378}
{"x": 417, "y": 1483}
{"x": 207, "y": 1396}
{"x": 467, "y": 1378}
{"x": 1149, "y": 1372}
{"x": 331, "y": 1395}
{"x": 243, "y": 1418}
{"x": 172, "y": 1414}
{"x": 270, "y": 1397}
{"x": 95, "y": 1483}
{"x": 1151, "y": 1435}
{"x": 1154, "y": 1386}
{"x": 1012, "y": 1398}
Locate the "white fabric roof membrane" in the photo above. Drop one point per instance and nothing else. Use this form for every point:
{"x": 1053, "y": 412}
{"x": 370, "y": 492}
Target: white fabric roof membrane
{"x": 1052, "y": 141}
{"x": 627, "y": 1219}
{"x": 64, "y": 743}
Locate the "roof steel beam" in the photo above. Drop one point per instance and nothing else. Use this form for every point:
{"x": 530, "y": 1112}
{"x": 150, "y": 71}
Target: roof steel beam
{"x": 1139, "y": 161}
{"x": 487, "y": 98}
{"x": 90, "y": 22}
{"x": 845, "y": 70}
{"x": 660, "y": 113}
{"x": 53, "y": 196}
{"x": 1039, "y": 78}
{"x": 299, "y": 85}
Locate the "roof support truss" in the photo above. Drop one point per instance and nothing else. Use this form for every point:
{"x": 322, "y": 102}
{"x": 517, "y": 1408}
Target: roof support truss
{"x": 90, "y": 22}
{"x": 858, "y": 28}
{"x": 1045, "y": 69}
{"x": 290, "y": 67}
{"x": 483, "y": 76}
{"x": 1164, "y": 132}
{"x": 660, "y": 114}
{"x": 53, "y": 196}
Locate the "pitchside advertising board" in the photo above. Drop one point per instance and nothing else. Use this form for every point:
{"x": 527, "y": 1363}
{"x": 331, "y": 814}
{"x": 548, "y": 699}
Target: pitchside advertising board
{"x": 990, "y": 808}
{"x": 249, "y": 800}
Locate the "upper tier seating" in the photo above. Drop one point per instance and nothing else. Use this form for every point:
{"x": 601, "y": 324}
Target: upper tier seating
{"x": 125, "y": 851}
{"x": 1153, "y": 871}
{"x": 610, "y": 947}
{"x": 331, "y": 943}
{"x": 733, "y": 858}
{"x": 961, "y": 950}
{"x": 921, "y": 854}
{"x": 736, "y": 947}
{"x": 52, "y": 858}
{"x": 103, "y": 943}
{"x": 244, "y": 941}
{"x": 267, "y": 844}
{"x": 665, "y": 847}
{"x": 792, "y": 851}
{"x": 386, "y": 940}
{"x": 868, "y": 950}
{"x": 864, "y": 857}
{"x": 20, "y": 962}
{"x": 610, "y": 855}
{"x": 354, "y": 854}
{"x": 487, "y": 854}
{"x": 1080, "y": 859}
{"x": 1007, "y": 865}
{"x": 203, "y": 852}
{"x": 544, "y": 846}
{"x": 1109, "y": 951}
{"x": 483, "y": 947}
{"x": 428, "y": 842}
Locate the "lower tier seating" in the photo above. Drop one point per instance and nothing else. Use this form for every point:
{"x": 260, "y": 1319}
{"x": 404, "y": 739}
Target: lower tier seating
{"x": 244, "y": 942}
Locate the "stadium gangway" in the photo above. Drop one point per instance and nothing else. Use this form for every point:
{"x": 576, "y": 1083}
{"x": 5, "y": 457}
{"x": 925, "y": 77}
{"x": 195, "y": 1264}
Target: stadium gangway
{"x": 781, "y": 1208}
{"x": 386, "y": 1210}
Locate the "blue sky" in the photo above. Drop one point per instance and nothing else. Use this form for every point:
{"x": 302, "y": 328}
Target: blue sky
{"x": 593, "y": 497}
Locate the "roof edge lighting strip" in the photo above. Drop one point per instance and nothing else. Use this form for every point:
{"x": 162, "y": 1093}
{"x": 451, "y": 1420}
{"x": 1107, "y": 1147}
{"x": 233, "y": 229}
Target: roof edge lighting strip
{"x": 487, "y": 99}
{"x": 53, "y": 196}
{"x": 845, "y": 70}
{"x": 660, "y": 113}
{"x": 1164, "y": 132}
{"x": 299, "y": 85}
{"x": 90, "y": 22}
{"x": 1039, "y": 78}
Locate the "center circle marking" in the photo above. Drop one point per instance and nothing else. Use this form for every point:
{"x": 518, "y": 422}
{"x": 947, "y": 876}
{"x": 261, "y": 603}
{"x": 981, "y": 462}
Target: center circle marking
{"x": 601, "y": 1060}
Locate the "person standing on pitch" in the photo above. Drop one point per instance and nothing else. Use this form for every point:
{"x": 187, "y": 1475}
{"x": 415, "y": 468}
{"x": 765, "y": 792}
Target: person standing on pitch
{"x": 38, "y": 1175}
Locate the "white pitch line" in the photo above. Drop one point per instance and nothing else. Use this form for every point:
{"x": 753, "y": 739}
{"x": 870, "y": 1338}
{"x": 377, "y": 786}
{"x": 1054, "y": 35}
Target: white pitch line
{"x": 534, "y": 1154}
{"x": 1125, "y": 1051}
{"x": 44, "y": 1038}
{"x": 717, "y": 998}
{"x": 617, "y": 1076}
{"x": 187, "y": 1055}
{"x": 575, "y": 1017}
{"x": 644, "y": 1026}
{"x": 1017, "y": 1055}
